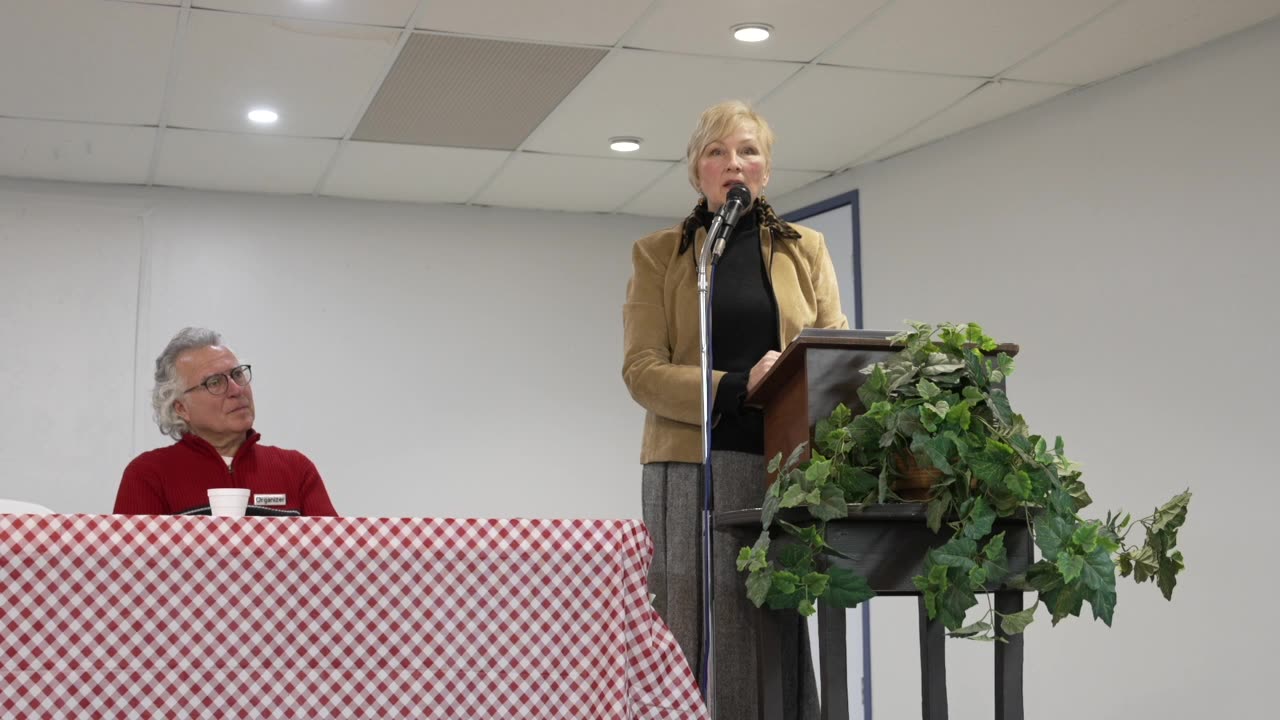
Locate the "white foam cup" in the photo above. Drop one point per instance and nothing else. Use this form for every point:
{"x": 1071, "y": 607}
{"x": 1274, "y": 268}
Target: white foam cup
{"x": 228, "y": 502}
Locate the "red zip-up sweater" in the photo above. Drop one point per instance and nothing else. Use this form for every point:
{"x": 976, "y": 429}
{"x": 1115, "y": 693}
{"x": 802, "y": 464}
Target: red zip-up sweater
{"x": 174, "y": 480}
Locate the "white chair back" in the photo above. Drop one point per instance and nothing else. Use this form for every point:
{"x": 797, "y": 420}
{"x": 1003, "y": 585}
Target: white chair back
{"x": 17, "y": 507}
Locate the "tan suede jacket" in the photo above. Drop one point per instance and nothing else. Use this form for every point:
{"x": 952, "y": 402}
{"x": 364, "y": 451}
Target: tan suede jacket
{"x": 661, "y": 364}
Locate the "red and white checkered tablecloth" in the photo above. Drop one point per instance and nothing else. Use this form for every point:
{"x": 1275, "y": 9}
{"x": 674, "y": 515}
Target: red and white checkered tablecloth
{"x": 108, "y": 616}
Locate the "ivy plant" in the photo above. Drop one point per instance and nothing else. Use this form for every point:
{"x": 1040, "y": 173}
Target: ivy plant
{"x": 939, "y": 403}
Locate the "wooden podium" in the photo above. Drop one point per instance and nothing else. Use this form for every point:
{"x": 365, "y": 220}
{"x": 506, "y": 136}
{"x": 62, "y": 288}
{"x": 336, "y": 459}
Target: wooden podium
{"x": 816, "y": 372}
{"x": 819, "y": 370}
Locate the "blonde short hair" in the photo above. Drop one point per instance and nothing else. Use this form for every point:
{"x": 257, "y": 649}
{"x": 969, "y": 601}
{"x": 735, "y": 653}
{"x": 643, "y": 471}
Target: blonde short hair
{"x": 718, "y": 121}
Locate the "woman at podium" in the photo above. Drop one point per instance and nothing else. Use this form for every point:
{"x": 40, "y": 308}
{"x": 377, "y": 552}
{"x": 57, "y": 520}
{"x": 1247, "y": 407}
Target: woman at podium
{"x": 772, "y": 280}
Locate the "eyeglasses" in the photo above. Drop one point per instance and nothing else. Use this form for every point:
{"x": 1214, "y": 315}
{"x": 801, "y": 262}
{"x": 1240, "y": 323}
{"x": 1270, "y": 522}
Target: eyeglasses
{"x": 217, "y": 384}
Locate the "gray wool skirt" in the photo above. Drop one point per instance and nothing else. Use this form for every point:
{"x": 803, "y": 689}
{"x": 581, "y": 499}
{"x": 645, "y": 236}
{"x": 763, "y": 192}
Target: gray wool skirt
{"x": 672, "y": 495}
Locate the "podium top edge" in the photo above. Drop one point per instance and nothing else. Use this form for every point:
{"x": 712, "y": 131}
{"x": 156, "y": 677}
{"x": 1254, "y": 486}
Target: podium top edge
{"x": 867, "y": 339}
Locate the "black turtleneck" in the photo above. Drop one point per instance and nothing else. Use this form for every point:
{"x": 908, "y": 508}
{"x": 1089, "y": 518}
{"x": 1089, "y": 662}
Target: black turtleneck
{"x": 744, "y": 326}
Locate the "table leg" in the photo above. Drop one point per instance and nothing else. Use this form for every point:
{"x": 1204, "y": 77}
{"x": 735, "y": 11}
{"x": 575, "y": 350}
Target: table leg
{"x": 933, "y": 666}
{"x": 768, "y": 664}
{"x": 833, "y": 662}
{"x": 1009, "y": 662}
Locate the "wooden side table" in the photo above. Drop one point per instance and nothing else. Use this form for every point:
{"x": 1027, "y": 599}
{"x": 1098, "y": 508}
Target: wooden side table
{"x": 888, "y": 544}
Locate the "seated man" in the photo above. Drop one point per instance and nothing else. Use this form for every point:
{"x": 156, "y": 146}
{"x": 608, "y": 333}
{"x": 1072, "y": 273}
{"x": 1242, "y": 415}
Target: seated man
{"x": 203, "y": 400}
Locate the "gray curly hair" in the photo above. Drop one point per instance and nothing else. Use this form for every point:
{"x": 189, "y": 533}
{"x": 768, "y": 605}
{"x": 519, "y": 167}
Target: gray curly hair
{"x": 169, "y": 385}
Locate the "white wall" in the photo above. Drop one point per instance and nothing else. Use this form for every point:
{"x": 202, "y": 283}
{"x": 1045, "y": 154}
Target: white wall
{"x": 432, "y": 361}
{"x": 1125, "y": 236}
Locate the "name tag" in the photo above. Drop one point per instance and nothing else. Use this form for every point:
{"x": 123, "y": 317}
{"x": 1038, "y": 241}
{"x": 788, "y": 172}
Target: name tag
{"x": 268, "y": 500}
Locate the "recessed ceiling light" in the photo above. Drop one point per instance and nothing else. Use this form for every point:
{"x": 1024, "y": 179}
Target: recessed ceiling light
{"x": 752, "y": 32}
{"x": 263, "y": 116}
{"x": 624, "y": 144}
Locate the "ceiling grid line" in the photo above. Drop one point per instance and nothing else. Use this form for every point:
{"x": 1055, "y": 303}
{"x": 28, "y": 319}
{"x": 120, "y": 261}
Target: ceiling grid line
{"x": 405, "y": 33}
{"x": 994, "y": 79}
{"x": 520, "y": 148}
{"x": 166, "y": 97}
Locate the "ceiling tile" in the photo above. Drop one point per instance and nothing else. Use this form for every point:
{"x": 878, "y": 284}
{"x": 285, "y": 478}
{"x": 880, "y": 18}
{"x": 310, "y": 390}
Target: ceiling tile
{"x": 75, "y": 151}
{"x": 78, "y": 60}
{"x": 827, "y": 117}
{"x": 446, "y": 90}
{"x": 588, "y": 22}
{"x": 960, "y": 37}
{"x": 1138, "y": 32}
{"x": 991, "y": 101}
{"x": 394, "y": 13}
{"x": 558, "y": 182}
{"x": 620, "y": 96}
{"x": 671, "y": 197}
{"x": 244, "y": 163}
{"x": 801, "y": 31}
{"x": 782, "y": 182}
{"x": 318, "y": 76}
{"x": 411, "y": 173}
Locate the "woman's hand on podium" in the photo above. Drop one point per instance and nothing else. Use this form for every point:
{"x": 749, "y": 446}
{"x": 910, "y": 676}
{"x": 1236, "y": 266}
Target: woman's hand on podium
{"x": 761, "y": 368}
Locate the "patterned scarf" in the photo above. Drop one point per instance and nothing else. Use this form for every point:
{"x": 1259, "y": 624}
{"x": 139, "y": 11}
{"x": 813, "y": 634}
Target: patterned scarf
{"x": 765, "y": 218}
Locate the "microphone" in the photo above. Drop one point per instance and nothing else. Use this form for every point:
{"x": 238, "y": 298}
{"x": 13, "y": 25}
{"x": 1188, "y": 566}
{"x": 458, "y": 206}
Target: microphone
{"x": 722, "y": 225}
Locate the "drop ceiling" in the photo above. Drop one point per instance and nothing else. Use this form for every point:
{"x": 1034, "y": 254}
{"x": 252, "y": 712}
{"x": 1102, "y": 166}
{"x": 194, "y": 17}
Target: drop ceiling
{"x": 512, "y": 102}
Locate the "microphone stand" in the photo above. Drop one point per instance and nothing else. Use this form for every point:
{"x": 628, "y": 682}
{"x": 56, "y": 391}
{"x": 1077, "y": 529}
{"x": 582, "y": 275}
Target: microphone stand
{"x": 711, "y": 249}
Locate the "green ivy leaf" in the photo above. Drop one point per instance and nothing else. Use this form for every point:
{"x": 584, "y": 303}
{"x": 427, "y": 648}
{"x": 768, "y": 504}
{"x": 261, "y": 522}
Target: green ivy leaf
{"x": 775, "y": 463}
{"x": 927, "y": 390}
{"x": 1172, "y": 514}
{"x": 1070, "y": 566}
{"x": 937, "y": 449}
{"x": 815, "y": 583}
{"x": 855, "y": 481}
{"x": 1167, "y": 574}
{"x": 1014, "y": 623}
{"x": 1086, "y": 537}
{"x": 1103, "y": 602}
{"x": 978, "y": 576}
{"x": 756, "y": 557}
{"x": 958, "y": 552}
{"x": 805, "y": 608}
{"x": 999, "y": 404}
{"x": 980, "y": 520}
{"x": 786, "y": 582}
{"x": 1052, "y": 535}
{"x": 1041, "y": 451}
{"x": 795, "y": 455}
{"x": 976, "y": 364}
{"x": 817, "y": 472}
{"x": 1145, "y": 565}
{"x": 991, "y": 463}
{"x": 959, "y": 414}
{"x": 841, "y": 415}
{"x": 758, "y": 584}
{"x": 1003, "y": 361}
{"x": 935, "y": 511}
{"x": 995, "y": 558}
{"x": 1018, "y": 484}
{"x": 1064, "y": 601}
{"x": 875, "y": 388}
{"x": 846, "y": 589}
{"x": 795, "y": 558}
{"x": 968, "y": 631}
{"x": 831, "y": 503}
{"x": 769, "y": 508}
{"x": 1099, "y": 569}
{"x": 795, "y": 496}
{"x": 952, "y": 605}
